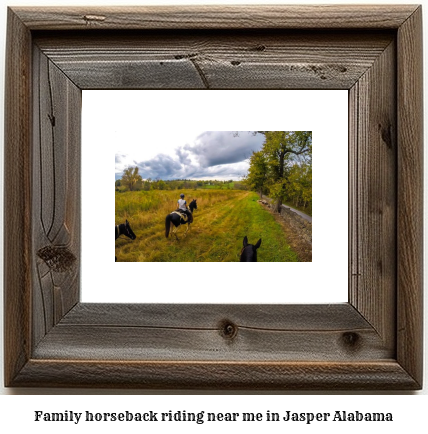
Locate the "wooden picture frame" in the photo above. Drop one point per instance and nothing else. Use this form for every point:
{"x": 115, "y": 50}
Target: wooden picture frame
{"x": 372, "y": 342}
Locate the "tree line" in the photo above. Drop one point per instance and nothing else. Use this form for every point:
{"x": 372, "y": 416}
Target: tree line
{"x": 282, "y": 169}
{"x": 132, "y": 181}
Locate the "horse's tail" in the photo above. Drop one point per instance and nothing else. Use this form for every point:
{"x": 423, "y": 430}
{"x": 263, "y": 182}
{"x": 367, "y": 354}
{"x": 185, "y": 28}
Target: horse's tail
{"x": 167, "y": 225}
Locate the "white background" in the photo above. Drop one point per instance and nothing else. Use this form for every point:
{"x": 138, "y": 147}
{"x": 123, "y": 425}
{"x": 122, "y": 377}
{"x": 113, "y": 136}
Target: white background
{"x": 16, "y": 412}
{"x": 324, "y": 280}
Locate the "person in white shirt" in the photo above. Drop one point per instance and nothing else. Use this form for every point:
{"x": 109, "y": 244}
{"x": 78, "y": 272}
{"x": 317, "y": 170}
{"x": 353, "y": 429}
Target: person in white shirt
{"x": 182, "y": 206}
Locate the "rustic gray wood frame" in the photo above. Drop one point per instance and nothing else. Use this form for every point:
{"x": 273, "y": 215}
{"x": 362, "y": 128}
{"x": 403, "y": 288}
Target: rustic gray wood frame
{"x": 372, "y": 342}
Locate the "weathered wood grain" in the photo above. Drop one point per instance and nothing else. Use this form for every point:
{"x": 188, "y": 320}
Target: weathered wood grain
{"x": 216, "y": 17}
{"x": 200, "y": 332}
{"x": 216, "y": 60}
{"x": 373, "y": 164}
{"x": 386, "y": 375}
{"x": 17, "y": 199}
{"x": 56, "y": 194}
{"x": 410, "y": 196}
{"x": 372, "y": 342}
{"x": 210, "y": 316}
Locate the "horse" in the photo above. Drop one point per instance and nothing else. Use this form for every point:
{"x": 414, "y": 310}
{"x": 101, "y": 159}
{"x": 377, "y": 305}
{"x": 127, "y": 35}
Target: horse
{"x": 124, "y": 229}
{"x": 176, "y": 219}
{"x": 249, "y": 251}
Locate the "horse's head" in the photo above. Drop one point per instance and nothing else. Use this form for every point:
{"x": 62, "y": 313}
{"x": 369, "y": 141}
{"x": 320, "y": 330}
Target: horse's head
{"x": 128, "y": 231}
{"x": 193, "y": 205}
{"x": 249, "y": 251}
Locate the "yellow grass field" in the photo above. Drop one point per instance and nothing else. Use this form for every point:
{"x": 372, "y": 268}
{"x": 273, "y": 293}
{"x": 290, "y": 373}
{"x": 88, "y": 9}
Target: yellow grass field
{"x": 221, "y": 221}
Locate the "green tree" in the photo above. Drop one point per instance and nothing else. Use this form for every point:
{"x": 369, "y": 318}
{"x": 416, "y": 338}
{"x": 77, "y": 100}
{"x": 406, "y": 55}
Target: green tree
{"x": 257, "y": 175}
{"x": 299, "y": 186}
{"x": 271, "y": 168}
{"x": 131, "y": 179}
{"x": 284, "y": 150}
{"x": 147, "y": 184}
{"x": 159, "y": 184}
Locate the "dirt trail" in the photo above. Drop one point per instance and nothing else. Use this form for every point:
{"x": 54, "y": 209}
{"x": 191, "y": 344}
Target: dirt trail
{"x": 302, "y": 247}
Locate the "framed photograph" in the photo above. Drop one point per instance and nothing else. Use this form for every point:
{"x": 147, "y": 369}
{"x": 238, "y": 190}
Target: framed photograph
{"x": 167, "y": 135}
{"x": 372, "y": 341}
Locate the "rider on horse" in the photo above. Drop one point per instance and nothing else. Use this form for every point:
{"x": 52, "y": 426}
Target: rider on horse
{"x": 182, "y": 207}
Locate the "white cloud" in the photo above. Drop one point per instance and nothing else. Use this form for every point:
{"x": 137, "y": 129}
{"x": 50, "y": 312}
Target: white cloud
{"x": 212, "y": 154}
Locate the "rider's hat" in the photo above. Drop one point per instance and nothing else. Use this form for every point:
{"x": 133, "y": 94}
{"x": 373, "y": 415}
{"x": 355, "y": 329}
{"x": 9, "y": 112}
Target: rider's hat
{"x": 181, "y": 195}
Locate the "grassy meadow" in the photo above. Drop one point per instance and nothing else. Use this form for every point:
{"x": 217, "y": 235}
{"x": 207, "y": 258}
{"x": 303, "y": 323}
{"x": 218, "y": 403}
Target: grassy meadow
{"x": 220, "y": 223}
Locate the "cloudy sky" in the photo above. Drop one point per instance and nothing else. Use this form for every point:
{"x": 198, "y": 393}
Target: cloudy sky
{"x": 172, "y": 134}
{"x": 189, "y": 154}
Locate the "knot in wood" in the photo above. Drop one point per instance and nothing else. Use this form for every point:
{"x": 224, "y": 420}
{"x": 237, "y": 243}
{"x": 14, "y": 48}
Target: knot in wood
{"x": 386, "y": 134}
{"x": 228, "y": 330}
{"x": 58, "y": 259}
{"x": 351, "y": 340}
{"x": 94, "y": 18}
